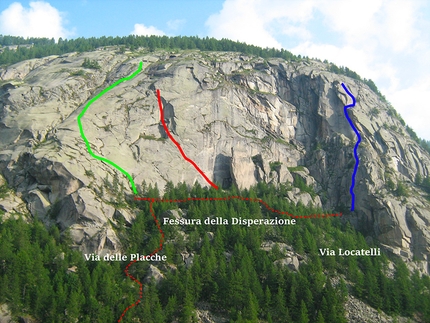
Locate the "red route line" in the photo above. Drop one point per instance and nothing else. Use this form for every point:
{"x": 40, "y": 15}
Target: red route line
{"x": 178, "y": 145}
{"x": 158, "y": 200}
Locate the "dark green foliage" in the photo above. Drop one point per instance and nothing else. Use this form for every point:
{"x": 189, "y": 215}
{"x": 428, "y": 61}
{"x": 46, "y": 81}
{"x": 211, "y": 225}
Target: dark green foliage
{"x": 34, "y": 277}
{"x": 371, "y": 85}
{"x": 93, "y": 64}
{"x": 300, "y": 183}
{"x": 390, "y": 184}
{"x": 374, "y": 112}
{"x": 425, "y": 144}
{"x": 418, "y": 179}
{"x": 426, "y": 184}
{"x": 89, "y": 173}
{"x": 245, "y": 286}
{"x": 347, "y": 72}
{"x": 303, "y": 318}
{"x": 413, "y": 134}
{"x": 344, "y": 71}
{"x": 297, "y": 168}
{"x": 401, "y": 190}
{"x": 44, "y": 47}
{"x": 4, "y": 190}
{"x": 78, "y": 73}
{"x": 275, "y": 165}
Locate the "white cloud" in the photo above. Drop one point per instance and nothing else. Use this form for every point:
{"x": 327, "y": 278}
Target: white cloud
{"x": 414, "y": 107}
{"x": 400, "y": 31}
{"x": 353, "y": 58}
{"x": 391, "y": 23}
{"x": 176, "y": 24}
{"x": 295, "y": 11}
{"x": 142, "y": 30}
{"x": 240, "y": 20}
{"x": 353, "y": 20}
{"x": 259, "y": 22}
{"x": 39, "y": 20}
{"x": 296, "y": 31}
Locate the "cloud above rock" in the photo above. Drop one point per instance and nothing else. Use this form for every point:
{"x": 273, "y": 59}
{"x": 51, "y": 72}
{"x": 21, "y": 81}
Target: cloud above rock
{"x": 40, "y": 19}
{"x": 142, "y": 30}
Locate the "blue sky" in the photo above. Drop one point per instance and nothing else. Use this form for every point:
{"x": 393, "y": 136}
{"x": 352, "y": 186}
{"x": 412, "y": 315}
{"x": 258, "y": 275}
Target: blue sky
{"x": 385, "y": 40}
{"x": 94, "y": 18}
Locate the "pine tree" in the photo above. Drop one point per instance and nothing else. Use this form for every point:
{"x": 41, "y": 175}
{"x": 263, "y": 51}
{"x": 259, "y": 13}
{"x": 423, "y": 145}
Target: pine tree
{"x": 303, "y": 318}
{"x": 74, "y": 305}
{"x": 401, "y": 278}
{"x": 250, "y": 310}
{"x": 281, "y": 311}
{"x": 320, "y": 318}
{"x": 188, "y": 312}
{"x": 267, "y": 299}
{"x": 171, "y": 308}
{"x": 292, "y": 299}
{"x": 299, "y": 245}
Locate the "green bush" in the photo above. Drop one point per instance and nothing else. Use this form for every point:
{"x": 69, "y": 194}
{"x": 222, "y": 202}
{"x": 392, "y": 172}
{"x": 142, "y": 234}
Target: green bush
{"x": 426, "y": 184}
{"x": 413, "y": 134}
{"x": 275, "y": 165}
{"x": 300, "y": 183}
{"x": 390, "y": 184}
{"x": 296, "y": 169}
{"x": 401, "y": 190}
{"x": 89, "y": 173}
{"x": 93, "y": 64}
{"x": 4, "y": 190}
{"x": 418, "y": 179}
{"x": 152, "y": 137}
{"x": 374, "y": 112}
{"x": 78, "y": 73}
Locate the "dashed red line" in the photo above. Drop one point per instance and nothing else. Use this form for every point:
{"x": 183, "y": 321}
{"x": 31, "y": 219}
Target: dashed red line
{"x": 163, "y": 122}
{"x": 158, "y": 200}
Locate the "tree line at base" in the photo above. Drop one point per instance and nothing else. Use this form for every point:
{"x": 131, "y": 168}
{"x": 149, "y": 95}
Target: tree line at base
{"x": 230, "y": 272}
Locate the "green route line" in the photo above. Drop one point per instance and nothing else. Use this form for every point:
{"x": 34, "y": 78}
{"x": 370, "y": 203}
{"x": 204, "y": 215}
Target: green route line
{"x": 81, "y": 130}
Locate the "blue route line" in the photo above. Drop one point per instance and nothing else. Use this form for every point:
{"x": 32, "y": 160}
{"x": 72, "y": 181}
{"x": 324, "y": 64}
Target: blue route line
{"x": 357, "y": 161}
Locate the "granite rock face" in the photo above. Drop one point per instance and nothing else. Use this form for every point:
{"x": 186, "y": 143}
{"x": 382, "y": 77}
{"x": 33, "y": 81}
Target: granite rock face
{"x": 242, "y": 119}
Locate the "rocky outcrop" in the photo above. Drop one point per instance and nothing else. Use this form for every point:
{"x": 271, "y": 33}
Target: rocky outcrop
{"x": 10, "y": 202}
{"x": 242, "y": 169}
{"x": 289, "y": 258}
{"x": 242, "y": 119}
{"x": 359, "y": 312}
{"x": 154, "y": 274}
{"x": 205, "y": 314}
{"x": 5, "y": 314}
{"x": 296, "y": 196}
{"x": 187, "y": 258}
